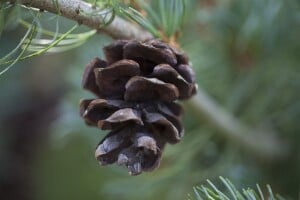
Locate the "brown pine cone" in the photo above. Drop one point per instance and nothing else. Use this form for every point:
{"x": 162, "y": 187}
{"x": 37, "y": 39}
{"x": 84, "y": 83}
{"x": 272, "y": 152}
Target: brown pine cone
{"x": 137, "y": 86}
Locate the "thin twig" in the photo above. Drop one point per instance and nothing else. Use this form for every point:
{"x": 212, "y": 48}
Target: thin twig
{"x": 78, "y": 10}
{"x": 261, "y": 143}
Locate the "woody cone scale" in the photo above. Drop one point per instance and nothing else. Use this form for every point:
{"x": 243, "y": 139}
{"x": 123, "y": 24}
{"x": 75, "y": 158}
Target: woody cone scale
{"x": 137, "y": 87}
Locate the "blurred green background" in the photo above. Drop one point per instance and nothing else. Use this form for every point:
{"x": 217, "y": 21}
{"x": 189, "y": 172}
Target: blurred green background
{"x": 246, "y": 55}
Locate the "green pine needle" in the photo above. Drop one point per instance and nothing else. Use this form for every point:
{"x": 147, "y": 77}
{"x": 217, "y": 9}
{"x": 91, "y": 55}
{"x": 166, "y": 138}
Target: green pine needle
{"x": 163, "y": 17}
{"x": 212, "y": 192}
{"x": 39, "y": 50}
{"x": 29, "y": 34}
{"x": 132, "y": 14}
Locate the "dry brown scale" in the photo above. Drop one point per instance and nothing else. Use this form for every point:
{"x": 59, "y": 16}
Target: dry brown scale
{"x": 136, "y": 89}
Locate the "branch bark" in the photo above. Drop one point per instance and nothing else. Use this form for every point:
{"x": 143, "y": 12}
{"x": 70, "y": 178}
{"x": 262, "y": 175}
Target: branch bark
{"x": 263, "y": 144}
{"x": 78, "y": 10}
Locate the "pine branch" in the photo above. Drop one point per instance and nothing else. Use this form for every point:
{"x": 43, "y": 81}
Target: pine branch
{"x": 75, "y": 9}
{"x": 211, "y": 192}
{"x": 263, "y": 144}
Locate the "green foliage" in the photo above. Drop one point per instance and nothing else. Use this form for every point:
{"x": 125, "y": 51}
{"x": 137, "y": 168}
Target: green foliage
{"x": 38, "y": 40}
{"x": 59, "y": 42}
{"x": 136, "y": 16}
{"x": 28, "y": 36}
{"x": 212, "y": 192}
{"x": 40, "y": 46}
{"x": 162, "y": 18}
{"x": 167, "y": 15}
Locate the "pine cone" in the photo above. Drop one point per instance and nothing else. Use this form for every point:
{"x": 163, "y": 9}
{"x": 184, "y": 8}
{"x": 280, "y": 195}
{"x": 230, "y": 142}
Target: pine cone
{"x": 136, "y": 88}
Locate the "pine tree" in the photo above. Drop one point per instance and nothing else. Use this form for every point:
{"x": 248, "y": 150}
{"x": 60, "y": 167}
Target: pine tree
{"x": 242, "y": 123}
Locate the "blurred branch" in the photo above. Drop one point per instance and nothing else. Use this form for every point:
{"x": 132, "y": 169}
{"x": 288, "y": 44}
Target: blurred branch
{"x": 75, "y": 9}
{"x": 263, "y": 144}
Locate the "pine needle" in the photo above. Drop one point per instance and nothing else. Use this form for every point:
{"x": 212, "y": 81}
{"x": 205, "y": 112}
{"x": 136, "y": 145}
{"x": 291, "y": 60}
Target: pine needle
{"x": 212, "y": 192}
